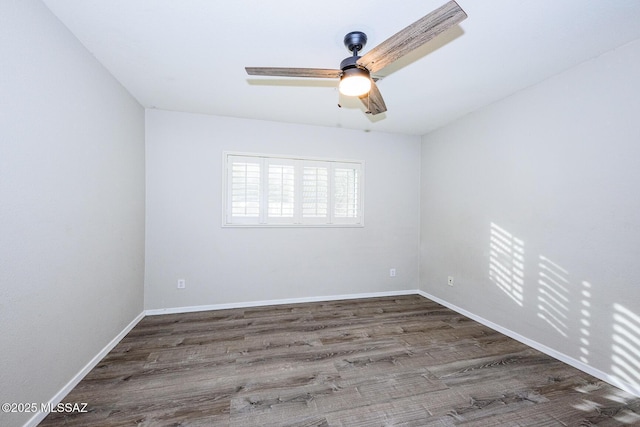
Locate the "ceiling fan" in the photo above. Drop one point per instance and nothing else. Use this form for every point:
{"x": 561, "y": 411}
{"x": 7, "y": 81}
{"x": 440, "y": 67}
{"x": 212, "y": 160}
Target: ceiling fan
{"x": 355, "y": 71}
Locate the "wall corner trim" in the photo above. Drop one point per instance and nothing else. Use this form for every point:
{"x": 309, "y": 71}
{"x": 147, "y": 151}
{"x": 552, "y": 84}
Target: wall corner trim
{"x": 61, "y": 394}
{"x": 630, "y": 388}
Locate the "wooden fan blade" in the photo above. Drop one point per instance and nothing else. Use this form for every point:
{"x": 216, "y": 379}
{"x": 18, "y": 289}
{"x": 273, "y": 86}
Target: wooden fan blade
{"x": 412, "y": 37}
{"x": 373, "y": 100}
{"x": 293, "y": 72}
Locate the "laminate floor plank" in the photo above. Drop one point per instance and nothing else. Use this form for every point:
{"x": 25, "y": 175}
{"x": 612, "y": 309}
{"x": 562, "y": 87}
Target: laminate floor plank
{"x": 401, "y": 361}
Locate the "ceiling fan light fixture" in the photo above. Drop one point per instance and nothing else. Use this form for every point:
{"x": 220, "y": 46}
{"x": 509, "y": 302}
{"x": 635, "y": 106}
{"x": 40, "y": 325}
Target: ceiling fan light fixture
{"x": 355, "y": 82}
{"x": 355, "y": 71}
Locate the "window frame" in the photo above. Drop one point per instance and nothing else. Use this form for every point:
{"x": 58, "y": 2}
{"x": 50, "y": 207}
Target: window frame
{"x": 297, "y": 220}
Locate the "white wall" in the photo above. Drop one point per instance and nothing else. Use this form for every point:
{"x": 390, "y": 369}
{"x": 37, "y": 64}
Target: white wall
{"x": 184, "y": 237}
{"x": 71, "y": 206}
{"x": 552, "y": 174}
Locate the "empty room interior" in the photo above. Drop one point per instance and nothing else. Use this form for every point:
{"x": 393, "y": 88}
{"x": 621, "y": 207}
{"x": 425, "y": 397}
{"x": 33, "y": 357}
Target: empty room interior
{"x": 200, "y": 226}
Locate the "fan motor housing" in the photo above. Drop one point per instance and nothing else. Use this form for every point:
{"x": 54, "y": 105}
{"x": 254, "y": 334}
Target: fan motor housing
{"x": 350, "y": 62}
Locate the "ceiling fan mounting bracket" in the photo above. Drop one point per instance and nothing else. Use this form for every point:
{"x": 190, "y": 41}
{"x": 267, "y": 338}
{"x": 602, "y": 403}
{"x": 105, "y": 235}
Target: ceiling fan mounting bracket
{"x": 355, "y": 41}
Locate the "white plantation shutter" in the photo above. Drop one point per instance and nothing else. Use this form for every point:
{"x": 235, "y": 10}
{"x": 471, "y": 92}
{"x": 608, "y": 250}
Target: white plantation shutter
{"x": 281, "y": 188}
{"x": 315, "y": 190}
{"x": 244, "y": 189}
{"x": 264, "y": 190}
{"x": 346, "y": 193}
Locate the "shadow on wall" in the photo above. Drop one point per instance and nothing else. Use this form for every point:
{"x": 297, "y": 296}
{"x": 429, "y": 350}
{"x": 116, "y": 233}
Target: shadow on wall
{"x": 559, "y": 311}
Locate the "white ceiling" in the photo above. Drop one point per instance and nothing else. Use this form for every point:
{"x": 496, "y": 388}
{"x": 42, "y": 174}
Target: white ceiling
{"x": 189, "y": 55}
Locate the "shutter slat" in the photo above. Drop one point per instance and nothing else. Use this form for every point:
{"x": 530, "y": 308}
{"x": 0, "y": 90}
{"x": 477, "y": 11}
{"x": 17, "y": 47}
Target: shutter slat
{"x": 281, "y": 192}
{"x": 315, "y": 184}
{"x": 346, "y": 193}
{"x": 245, "y": 189}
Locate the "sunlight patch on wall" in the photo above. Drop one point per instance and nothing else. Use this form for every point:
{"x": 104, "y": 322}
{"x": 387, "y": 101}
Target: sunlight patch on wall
{"x": 585, "y": 321}
{"x": 553, "y": 295}
{"x": 506, "y": 263}
{"x": 626, "y": 345}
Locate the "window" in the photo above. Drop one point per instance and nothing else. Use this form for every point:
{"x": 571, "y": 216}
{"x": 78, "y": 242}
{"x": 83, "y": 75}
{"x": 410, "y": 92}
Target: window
{"x": 265, "y": 190}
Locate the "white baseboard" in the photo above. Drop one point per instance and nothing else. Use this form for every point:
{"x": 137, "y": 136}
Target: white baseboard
{"x": 189, "y": 309}
{"x": 630, "y": 388}
{"x": 57, "y": 398}
{"x": 38, "y": 417}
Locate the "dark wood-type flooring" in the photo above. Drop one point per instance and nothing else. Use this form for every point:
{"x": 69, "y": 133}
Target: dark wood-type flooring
{"x": 401, "y": 361}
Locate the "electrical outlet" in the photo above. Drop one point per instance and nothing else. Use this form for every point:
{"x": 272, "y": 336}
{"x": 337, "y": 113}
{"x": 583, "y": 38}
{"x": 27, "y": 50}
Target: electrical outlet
{"x": 450, "y": 281}
{"x": 392, "y": 272}
{"x": 182, "y": 283}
